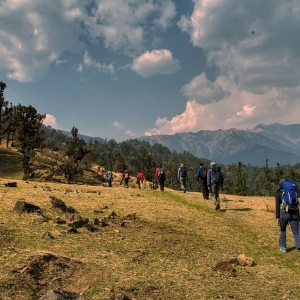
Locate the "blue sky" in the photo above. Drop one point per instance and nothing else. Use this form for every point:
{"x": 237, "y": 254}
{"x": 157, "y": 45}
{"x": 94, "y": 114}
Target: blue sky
{"x": 121, "y": 69}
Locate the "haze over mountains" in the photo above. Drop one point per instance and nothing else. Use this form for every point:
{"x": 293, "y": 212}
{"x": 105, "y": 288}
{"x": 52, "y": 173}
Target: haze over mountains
{"x": 275, "y": 142}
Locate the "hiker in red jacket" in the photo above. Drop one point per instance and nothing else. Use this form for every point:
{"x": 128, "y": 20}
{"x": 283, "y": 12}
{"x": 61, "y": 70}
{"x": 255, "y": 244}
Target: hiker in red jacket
{"x": 140, "y": 179}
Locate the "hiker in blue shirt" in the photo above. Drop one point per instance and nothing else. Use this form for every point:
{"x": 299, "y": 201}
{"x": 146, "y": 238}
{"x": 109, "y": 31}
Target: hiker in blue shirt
{"x": 284, "y": 217}
{"x": 201, "y": 178}
{"x": 215, "y": 183}
{"x": 109, "y": 179}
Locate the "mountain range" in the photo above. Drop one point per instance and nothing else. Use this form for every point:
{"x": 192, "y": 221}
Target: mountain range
{"x": 276, "y": 142}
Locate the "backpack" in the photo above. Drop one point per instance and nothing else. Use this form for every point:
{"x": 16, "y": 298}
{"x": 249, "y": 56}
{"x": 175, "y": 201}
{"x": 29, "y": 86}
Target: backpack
{"x": 126, "y": 175}
{"x": 183, "y": 172}
{"x": 161, "y": 172}
{"x": 216, "y": 175}
{"x": 289, "y": 195}
{"x": 109, "y": 176}
{"x": 203, "y": 173}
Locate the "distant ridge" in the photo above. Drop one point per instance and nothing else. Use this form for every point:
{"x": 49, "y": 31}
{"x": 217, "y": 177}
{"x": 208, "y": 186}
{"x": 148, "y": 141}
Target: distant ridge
{"x": 277, "y": 143}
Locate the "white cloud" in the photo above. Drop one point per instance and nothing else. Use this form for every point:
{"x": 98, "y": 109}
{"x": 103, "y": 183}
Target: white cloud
{"x": 118, "y": 125}
{"x": 252, "y": 43}
{"x": 155, "y": 62}
{"x": 35, "y": 34}
{"x": 241, "y": 109}
{"x": 203, "y": 90}
{"x": 90, "y": 63}
{"x": 130, "y": 133}
{"x": 50, "y": 120}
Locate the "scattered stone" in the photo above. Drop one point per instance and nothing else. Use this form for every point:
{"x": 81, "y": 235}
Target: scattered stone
{"x": 113, "y": 214}
{"x": 225, "y": 267}
{"x": 79, "y": 223}
{"x": 57, "y": 203}
{"x": 11, "y": 184}
{"x": 244, "y": 260}
{"x": 90, "y": 228}
{"x": 73, "y": 230}
{"x": 48, "y": 236}
{"x": 71, "y": 217}
{"x": 60, "y": 295}
{"x": 59, "y": 220}
{"x": 23, "y": 206}
{"x": 46, "y": 188}
{"x": 233, "y": 261}
{"x": 130, "y": 216}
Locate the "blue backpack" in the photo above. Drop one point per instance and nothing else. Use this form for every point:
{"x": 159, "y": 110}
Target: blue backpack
{"x": 289, "y": 195}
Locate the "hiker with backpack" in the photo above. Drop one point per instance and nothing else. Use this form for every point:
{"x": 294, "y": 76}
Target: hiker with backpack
{"x": 201, "y": 178}
{"x": 183, "y": 177}
{"x": 160, "y": 174}
{"x": 126, "y": 178}
{"x": 109, "y": 178}
{"x": 215, "y": 180}
{"x": 140, "y": 180}
{"x": 287, "y": 211}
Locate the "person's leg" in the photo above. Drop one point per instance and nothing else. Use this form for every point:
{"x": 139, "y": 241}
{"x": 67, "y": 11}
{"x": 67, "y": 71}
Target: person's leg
{"x": 284, "y": 220}
{"x": 205, "y": 190}
{"x": 213, "y": 194}
{"x": 294, "y": 227}
{"x": 184, "y": 184}
{"x": 181, "y": 183}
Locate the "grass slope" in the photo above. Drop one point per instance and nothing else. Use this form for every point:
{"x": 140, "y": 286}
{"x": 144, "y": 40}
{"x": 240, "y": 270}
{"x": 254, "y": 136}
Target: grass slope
{"x": 168, "y": 251}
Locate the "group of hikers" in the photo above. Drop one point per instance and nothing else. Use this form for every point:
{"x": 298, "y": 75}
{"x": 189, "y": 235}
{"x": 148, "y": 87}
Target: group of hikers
{"x": 211, "y": 181}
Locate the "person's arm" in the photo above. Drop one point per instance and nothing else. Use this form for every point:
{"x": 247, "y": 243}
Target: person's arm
{"x": 277, "y": 206}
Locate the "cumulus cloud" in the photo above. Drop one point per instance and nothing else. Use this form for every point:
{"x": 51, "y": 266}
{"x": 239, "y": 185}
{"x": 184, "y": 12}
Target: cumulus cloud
{"x": 251, "y": 42}
{"x": 90, "y": 63}
{"x": 35, "y": 34}
{"x": 130, "y": 133}
{"x": 118, "y": 125}
{"x": 155, "y": 62}
{"x": 241, "y": 109}
{"x": 50, "y": 120}
{"x": 203, "y": 90}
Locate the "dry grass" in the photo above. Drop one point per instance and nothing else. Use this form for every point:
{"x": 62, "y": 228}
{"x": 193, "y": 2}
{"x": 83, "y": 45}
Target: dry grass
{"x": 169, "y": 251}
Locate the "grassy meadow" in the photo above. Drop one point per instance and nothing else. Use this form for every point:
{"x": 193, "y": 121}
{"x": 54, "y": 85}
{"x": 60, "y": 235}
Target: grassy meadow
{"x": 148, "y": 245}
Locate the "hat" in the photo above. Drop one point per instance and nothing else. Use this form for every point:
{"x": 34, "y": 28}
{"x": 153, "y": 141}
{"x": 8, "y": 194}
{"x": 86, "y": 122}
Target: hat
{"x": 212, "y": 163}
{"x": 280, "y": 183}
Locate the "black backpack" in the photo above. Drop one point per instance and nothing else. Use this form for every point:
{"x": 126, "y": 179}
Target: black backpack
{"x": 183, "y": 172}
{"x": 216, "y": 175}
{"x": 203, "y": 173}
{"x": 161, "y": 172}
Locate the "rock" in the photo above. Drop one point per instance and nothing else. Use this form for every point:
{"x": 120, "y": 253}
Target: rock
{"x": 23, "y": 206}
{"x": 60, "y": 295}
{"x": 244, "y": 260}
{"x": 48, "y": 236}
{"x": 11, "y": 184}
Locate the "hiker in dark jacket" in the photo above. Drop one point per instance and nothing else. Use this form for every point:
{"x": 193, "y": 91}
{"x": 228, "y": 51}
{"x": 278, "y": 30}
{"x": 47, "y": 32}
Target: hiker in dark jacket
{"x": 284, "y": 218}
{"x": 213, "y": 186}
{"x": 201, "y": 178}
{"x": 160, "y": 175}
{"x": 182, "y": 176}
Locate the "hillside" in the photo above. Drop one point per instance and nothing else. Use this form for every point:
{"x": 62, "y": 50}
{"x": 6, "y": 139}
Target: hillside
{"x": 140, "y": 245}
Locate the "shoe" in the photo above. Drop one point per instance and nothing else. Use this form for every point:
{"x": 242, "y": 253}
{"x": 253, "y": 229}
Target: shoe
{"x": 218, "y": 206}
{"x": 283, "y": 249}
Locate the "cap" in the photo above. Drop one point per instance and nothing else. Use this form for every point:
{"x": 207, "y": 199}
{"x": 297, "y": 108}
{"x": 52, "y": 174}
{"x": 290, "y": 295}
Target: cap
{"x": 280, "y": 183}
{"x": 212, "y": 163}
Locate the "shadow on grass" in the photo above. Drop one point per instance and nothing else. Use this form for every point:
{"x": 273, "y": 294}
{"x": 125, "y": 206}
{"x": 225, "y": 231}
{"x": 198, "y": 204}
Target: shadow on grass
{"x": 237, "y": 209}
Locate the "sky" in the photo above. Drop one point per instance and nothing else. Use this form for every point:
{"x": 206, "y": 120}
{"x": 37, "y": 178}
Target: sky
{"x": 122, "y": 69}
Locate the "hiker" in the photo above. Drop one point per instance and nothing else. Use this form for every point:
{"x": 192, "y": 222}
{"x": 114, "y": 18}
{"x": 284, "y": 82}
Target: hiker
{"x": 109, "y": 178}
{"x": 201, "y": 178}
{"x": 287, "y": 213}
{"x": 126, "y": 178}
{"x": 182, "y": 176}
{"x": 160, "y": 174}
{"x": 140, "y": 179}
{"x": 215, "y": 183}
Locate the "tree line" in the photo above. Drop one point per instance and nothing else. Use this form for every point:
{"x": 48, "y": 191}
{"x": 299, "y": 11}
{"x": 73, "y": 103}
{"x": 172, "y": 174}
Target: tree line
{"x": 22, "y": 126}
